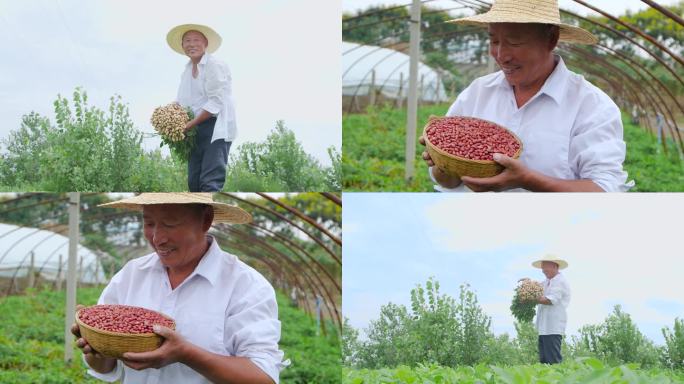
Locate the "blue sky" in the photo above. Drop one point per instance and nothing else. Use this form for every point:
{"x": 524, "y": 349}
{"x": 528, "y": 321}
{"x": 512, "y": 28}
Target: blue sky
{"x": 622, "y": 249}
{"x": 285, "y": 64}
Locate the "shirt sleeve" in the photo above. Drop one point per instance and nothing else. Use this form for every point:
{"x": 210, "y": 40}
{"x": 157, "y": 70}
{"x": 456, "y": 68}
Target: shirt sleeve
{"x": 597, "y": 148}
{"x": 217, "y": 84}
{"x": 555, "y": 293}
{"x": 110, "y": 377}
{"x": 253, "y": 328}
{"x": 439, "y": 187}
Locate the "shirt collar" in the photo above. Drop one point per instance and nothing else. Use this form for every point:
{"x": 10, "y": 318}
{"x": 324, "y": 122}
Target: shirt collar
{"x": 208, "y": 267}
{"x": 554, "y": 86}
{"x": 557, "y": 274}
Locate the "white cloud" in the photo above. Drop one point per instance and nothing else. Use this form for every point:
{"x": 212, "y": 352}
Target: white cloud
{"x": 622, "y": 249}
{"x": 285, "y": 64}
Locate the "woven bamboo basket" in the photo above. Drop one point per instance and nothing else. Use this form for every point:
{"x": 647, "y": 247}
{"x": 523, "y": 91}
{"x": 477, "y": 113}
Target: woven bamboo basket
{"x": 461, "y": 166}
{"x": 115, "y": 344}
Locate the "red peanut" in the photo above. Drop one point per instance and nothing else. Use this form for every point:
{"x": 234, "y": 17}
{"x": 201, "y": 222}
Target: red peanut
{"x": 471, "y": 138}
{"x": 122, "y": 318}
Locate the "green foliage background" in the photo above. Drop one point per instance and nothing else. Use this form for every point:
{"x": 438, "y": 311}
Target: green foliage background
{"x": 96, "y": 151}
{"x": 406, "y": 345}
{"x": 373, "y": 156}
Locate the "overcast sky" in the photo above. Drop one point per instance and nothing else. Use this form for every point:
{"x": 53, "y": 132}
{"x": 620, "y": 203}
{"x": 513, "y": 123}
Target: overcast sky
{"x": 622, "y": 249}
{"x": 615, "y": 7}
{"x": 285, "y": 62}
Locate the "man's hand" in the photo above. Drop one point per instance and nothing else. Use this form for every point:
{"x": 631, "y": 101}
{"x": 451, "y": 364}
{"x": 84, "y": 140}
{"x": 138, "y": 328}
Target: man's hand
{"x": 96, "y": 361}
{"x": 189, "y": 125}
{"x": 444, "y": 179}
{"x": 426, "y": 155}
{"x": 171, "y": 351}
{"x": 514, "y": 175}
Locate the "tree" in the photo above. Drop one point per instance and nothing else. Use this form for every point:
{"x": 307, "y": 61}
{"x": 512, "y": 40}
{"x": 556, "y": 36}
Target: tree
{"x": 673, "y": 355}
{"x": 617, "y": 340}
{"x": 278, "y": 164}
{"x": 437, "y": 329}
{"x": 86, "y": 150}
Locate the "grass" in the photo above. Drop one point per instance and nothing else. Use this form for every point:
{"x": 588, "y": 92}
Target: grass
{"x": 587, "y": 370}
{"x": 373, "y": 154}
{"x": 32, "y": 342}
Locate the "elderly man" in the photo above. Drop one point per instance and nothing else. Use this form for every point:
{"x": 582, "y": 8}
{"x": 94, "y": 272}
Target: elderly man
{"x": 205, "y": 87}
{"x": 551, "y": 311}
{"x": 571, "y": 130}
{"x": 227, "y": 327}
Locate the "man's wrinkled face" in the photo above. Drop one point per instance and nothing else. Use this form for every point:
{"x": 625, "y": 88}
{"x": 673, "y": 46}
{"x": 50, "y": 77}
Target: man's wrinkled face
{"x": 194, "y": 44}
{"x": 176, "y": 232}
{"x": 549, "y": 268}
{"x": 520, "y": 50}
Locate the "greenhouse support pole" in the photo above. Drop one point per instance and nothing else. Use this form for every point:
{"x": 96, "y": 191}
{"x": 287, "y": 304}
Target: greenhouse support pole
{"x": 371, "y": 89}
{"x": 59, "y": 274}
{"x": 412, "y": 101}
{"x": 31, "y": 274}
{"x": 318, "y": 314}
{"x": 74, "y": 204}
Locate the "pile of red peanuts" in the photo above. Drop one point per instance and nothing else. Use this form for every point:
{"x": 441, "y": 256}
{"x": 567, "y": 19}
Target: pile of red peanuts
{"x": 122, "y": 318}
{"x": 471, "y": 138}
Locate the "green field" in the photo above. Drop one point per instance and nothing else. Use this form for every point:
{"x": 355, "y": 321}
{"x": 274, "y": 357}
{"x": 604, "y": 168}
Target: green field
{"x": 581, "y": 371}
{"x": 373, "y": 154}
{"x": 32, "y": 339}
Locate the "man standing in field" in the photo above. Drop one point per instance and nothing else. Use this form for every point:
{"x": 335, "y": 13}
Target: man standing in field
{"x": 206, "y": 88}
{"x": 552, "y": 314}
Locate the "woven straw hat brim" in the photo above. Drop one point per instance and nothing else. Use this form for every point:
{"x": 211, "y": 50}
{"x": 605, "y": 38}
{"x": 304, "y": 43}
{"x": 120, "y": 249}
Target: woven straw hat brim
{"x": 223, "y": 213}
{"x": 175, "y": 36}
{"x": 530, "y": 11}
{"x": 562, "y": 264}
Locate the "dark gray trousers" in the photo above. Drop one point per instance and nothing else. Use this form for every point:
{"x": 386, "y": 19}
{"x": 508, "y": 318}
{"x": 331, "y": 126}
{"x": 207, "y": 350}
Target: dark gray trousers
{"x": 550, "y": 349}
{"x": 207, "y": 163}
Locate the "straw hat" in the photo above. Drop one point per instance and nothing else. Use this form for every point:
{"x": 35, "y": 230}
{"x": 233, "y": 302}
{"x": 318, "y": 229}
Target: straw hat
{"x": 175, "y": 37}
{"x": 530, "y": 11}
{"x": 562, "y": 264}
{"x": 223, "y": 213}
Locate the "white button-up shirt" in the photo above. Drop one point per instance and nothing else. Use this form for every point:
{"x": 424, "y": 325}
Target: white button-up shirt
{"x": 570, "y": 129}
{"x": 552, "y": 319}
{"x": 212, "y": 92}
{"x": 224, "y": 307}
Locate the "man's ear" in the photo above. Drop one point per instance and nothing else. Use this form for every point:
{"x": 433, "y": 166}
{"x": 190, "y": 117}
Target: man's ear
{"x": 208, "y": 218}
{"x": 553, "y": 38}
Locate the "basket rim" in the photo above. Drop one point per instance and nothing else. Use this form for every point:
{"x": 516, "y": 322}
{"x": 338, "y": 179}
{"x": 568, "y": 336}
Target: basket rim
{"x": 120, "y": 334}
{"x": 465, "y": 159}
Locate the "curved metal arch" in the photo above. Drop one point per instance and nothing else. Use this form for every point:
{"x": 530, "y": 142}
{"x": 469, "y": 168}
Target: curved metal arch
{"x": 284, "y": 239}
{"x": 299, "y": 214}
{"x": 633, "y": 29}
{"x": 282, "y": 217}
{"x": 318, "y": 289}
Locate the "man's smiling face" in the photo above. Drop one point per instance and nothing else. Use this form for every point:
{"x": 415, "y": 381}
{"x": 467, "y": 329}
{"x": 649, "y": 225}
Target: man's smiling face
{"x": 194, "y": 44}
{"x": 520, "y": 50}
{"x": 177, "y": 232}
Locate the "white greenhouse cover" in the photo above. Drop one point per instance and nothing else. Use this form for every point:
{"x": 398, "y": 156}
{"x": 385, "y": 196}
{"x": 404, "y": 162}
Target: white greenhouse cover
{"x": 17, "y": 243}
{"x": 358, "y": 61}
